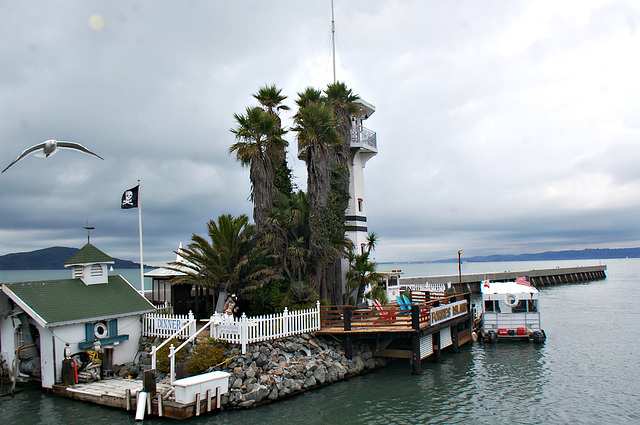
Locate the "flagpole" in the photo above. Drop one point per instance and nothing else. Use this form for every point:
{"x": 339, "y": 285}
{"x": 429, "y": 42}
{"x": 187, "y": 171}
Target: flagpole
{"x": 140, "y": 232}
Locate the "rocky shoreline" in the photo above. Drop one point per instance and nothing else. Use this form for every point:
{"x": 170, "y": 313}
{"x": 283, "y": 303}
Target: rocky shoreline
{"x": 278, "y": 369}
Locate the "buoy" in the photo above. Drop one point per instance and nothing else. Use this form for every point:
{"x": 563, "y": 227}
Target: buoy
{"x": 141, "y": 405}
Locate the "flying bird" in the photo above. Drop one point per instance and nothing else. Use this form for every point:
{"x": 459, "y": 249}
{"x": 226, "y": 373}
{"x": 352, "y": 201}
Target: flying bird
{"x": 50, "y": 147}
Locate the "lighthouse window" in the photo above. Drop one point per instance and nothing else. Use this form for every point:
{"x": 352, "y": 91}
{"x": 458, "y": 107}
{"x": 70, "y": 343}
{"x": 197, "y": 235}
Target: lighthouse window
{"x": 360, "y": 204}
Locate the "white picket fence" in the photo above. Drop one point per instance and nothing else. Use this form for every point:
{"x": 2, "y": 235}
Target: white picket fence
{"x": 246, "y": 330}
{"x": 169, "y": 326}
{"x": 242, "y": 331}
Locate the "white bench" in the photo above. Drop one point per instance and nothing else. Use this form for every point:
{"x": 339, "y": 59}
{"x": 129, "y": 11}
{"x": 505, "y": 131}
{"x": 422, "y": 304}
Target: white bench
{"x": 187, "y": 388}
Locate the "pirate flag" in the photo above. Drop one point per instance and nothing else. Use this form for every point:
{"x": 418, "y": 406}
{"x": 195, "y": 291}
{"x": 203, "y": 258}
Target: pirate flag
{"x": 130, "y": 198}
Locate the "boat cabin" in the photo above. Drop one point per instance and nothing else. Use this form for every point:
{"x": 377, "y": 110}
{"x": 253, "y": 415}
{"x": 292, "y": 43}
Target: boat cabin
{"x": 510, "y": 310}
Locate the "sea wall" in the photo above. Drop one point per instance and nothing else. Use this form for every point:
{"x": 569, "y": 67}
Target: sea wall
{"x": 273, "y": 370}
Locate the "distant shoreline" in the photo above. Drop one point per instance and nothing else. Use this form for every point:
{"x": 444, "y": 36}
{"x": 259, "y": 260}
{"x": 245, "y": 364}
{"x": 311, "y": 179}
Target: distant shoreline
{"x": 584, "y": 254}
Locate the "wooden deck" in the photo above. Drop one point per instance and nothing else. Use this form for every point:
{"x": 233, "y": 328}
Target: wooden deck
{"x": 121, "y": 393}
{"x": 344, "y": 319}
{"x": 433, "y": 321}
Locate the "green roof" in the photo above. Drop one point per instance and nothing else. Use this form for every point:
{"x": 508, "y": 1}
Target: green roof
{"x": 70, "y": 300}
{"x": 89, "y": 254}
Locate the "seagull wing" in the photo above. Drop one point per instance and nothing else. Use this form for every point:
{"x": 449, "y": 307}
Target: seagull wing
{"x": 25, "y": 153}
{"x": 78, "y": 146}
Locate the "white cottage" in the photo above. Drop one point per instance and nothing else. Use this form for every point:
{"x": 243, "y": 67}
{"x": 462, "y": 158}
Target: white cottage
{"x": 40, "y": 317}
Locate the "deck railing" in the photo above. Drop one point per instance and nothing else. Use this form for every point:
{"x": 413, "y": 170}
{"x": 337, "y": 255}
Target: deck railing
{"x": 394, "y": 317}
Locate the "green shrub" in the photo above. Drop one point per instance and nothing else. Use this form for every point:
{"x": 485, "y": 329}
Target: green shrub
{"x": 204, "y": 355}
{"x": 163, "y": 363}
{"x": 300, "y": 295}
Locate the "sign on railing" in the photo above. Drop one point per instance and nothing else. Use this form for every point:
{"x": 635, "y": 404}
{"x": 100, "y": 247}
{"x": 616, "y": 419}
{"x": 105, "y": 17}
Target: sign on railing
{"x": 448, "y": 311}
{"x": 165, "y": 325}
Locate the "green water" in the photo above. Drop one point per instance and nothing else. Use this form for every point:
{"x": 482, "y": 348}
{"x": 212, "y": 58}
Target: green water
{"x": 588, "y": 372}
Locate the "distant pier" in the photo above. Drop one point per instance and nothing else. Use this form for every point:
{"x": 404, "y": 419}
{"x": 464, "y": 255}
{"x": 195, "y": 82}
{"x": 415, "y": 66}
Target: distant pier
{"x": 539, "y": 278}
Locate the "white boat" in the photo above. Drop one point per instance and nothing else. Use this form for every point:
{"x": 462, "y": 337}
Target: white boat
{"x": 509, "y": 310}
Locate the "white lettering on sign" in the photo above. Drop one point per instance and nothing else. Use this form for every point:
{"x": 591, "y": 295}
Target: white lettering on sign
{"x": 448, "y": 311}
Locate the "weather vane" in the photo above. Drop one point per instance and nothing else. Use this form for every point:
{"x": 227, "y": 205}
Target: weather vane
{"x": 89, "y": 229}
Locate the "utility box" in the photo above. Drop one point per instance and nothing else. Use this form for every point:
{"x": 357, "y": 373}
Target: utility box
{"x": 187, "y": 388}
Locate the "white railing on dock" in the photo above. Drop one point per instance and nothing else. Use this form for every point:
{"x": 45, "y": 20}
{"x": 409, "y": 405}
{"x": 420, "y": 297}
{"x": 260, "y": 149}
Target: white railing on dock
{"x": 395, "y": 290}
{"x": 169, "y": 326}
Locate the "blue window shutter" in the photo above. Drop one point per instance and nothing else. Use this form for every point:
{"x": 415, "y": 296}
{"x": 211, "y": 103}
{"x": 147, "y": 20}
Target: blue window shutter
{"x": 113, "y": 328}
{"x": 88, "y": 330}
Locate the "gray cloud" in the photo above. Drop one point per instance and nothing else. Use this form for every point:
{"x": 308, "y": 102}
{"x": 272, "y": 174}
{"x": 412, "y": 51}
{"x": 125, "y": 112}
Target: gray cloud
{"x": 502, "y": 128}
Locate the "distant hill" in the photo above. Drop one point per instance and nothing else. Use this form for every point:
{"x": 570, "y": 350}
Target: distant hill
{"x": 49, "y": 259}
{"x": 584, "y": 254}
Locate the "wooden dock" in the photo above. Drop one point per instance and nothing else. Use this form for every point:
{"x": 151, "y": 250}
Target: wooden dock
{"x": 539, "y": 278}
{"x": 432, "y": 322}
{"x": 122, "y": 394}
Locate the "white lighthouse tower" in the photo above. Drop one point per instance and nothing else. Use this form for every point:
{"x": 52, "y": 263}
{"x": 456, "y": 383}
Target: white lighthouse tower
{"x": 363, "y": 147}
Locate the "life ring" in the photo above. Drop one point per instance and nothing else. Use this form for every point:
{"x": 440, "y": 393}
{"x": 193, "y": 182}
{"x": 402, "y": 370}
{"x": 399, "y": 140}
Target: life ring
{"x": 511, "y": 300}
{"x": 100, "y": 330}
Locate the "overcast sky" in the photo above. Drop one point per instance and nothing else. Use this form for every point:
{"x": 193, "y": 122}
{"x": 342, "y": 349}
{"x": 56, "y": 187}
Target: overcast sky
{"x": 502, "y": 126}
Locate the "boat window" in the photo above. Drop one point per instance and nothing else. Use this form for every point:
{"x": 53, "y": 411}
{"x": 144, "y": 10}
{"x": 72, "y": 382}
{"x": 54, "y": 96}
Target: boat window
{"x": 533, "y": 305}
{"x": 489, "y": 306}
{"x": 521, "y": 307}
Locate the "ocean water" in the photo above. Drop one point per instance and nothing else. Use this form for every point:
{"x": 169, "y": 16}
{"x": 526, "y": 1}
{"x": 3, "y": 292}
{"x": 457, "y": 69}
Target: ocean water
{"x": 587, "y": 372}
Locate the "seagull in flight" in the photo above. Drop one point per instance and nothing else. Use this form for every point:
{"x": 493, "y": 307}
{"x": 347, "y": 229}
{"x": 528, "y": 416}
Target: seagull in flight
{"x": 50, "y": 147}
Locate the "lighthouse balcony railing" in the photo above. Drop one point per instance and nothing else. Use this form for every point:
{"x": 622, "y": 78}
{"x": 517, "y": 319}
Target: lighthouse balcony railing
{"x": 361, "y": 137}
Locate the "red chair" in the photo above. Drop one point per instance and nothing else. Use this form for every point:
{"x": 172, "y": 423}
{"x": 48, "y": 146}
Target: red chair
{"x": 385, "y": 314}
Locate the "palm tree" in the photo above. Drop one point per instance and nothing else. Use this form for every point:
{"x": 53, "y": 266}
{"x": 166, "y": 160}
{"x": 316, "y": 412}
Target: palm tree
{"x": 271, "y": 98}
{"x": 362, "y": 272}
{"x": 259, "y": 147}
{"x": 316, "y": 128}
{"x": 341, "y": 100}
{"x": 372, "y": 241}
{"x": 231, "y": 261}
{"x": 288, "y": 233}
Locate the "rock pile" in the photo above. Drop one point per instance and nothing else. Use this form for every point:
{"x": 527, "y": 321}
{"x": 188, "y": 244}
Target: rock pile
{"x": 277, "y": 369}
{"x": 273, "y": 370}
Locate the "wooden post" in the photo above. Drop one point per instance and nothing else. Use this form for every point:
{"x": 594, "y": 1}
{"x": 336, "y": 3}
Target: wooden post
{"x": 436, "y": 347}
{"x": 454, "y": 338}
{"x": 149, "y": 382}
{"x": 416, "y": 367}
{"x": 348, "y": 347}
{"x": 197, "y": 404}
{"x": 159, "y": 404}
{"x": 218, "y": 397}
{"x": 128, "y": 397}
{"x": 347, "y": 318}
{"x": 415, "y": 317}
{"x": 181, "y": 370}
{"x": 68, "y": 372}
{"x": 208, "y": 400}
